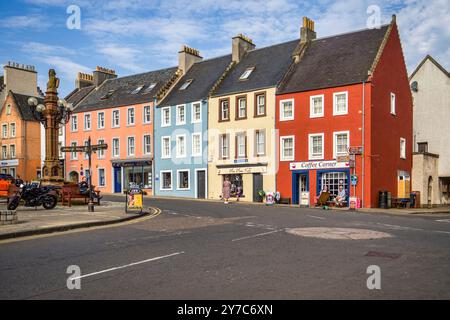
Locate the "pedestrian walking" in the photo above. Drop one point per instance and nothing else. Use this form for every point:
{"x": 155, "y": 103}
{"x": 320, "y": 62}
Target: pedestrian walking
{"x": 226, "y": 190}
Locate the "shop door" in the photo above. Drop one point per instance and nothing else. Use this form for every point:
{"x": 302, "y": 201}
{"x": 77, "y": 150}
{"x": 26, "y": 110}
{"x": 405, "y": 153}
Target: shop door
{"x": 303, "y": 192}
{"x": 201, "y": 184}
{"x": 257, "y": 186}
{"x": 117, "y": 179}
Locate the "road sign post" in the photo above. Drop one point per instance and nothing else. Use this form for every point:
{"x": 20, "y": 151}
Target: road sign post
{"x": 88, "y": 149}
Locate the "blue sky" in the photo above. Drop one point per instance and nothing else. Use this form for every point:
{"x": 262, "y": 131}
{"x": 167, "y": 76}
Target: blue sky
{"x": 132, "y": 36}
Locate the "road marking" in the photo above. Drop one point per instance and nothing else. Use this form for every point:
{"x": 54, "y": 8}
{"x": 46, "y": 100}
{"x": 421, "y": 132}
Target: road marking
{"x": 257, "y": 235}
{"x": 444, "y": 220}
{"x": 127, "y": 265}
{"x": 321, "y": 218}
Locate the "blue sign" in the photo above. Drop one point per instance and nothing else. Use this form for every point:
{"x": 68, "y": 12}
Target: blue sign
{"x": 354, "y": 179}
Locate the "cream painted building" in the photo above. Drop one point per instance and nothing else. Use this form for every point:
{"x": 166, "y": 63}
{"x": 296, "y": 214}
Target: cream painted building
{"x": 241, "y": 120}
{"x": 430, "y": 85}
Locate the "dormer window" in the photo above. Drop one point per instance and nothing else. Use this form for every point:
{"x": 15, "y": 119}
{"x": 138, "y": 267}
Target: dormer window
{"x": 246, "y": 73}
{"x": 150, "y": 88}
{"x": 137, "y": 90}
{"x": 186, "y": 84}
{"x": 108, "y": 95}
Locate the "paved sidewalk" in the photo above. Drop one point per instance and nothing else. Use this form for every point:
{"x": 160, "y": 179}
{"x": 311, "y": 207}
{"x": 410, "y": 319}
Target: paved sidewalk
{"x": 41, "y": 221}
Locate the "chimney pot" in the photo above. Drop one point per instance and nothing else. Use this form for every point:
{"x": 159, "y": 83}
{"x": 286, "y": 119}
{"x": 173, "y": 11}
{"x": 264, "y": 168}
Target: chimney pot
{"x": 307, "y": 32}
{"x": 187, "y": 57}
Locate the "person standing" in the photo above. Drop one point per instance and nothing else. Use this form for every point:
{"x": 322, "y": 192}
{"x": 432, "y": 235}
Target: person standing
{"x": 226, "y": 190}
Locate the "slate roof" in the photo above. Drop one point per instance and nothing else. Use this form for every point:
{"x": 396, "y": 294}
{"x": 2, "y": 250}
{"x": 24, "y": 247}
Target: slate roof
{"x": 122, "y": 90}
{"x": 335, "y": 61}
{"x": 203, "y": 75}
{"x": 23, "y": 107}
{"x": 270, "y": 64}
{"x": 77, "y": 95}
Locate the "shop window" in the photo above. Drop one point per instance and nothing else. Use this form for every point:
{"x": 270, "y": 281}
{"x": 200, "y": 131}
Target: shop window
{"x": 236, "y": 183}
{"x": 332, "y": 180}
{"x": 183, "y": 180}
{"x": 139, "y": 175}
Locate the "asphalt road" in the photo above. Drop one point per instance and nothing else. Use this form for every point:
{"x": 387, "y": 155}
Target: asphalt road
{"x": 208, "y": 250}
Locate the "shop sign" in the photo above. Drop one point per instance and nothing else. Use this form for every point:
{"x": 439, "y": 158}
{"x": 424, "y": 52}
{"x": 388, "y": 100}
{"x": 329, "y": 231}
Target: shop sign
{"x": 313, "y": 165}
{"x": 304, "y": 198}
{"x": 134, "y": 198}
{"x": 355, "y": 150}
{"x": 7, "y": 163}
{"x": 242, "y": 170}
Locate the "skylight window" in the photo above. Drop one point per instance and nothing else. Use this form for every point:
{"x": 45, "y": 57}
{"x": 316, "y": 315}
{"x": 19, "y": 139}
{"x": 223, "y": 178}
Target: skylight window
{"x": 136, "y": 91}
{"x": 109, "y": 94}
{"x": 186, "y": 84}
{"x": 150, "y": 88}
{"x": 246, "y": 73}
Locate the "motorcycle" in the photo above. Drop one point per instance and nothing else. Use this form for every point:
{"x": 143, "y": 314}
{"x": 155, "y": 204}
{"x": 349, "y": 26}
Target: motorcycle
{"x": 34, "y": 196}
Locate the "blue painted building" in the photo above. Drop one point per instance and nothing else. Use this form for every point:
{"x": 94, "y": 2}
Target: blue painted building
{"x": 180, "y": 128}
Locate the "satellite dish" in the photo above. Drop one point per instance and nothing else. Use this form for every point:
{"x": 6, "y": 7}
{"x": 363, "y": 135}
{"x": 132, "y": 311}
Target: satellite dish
{"x": 414, "y": 86}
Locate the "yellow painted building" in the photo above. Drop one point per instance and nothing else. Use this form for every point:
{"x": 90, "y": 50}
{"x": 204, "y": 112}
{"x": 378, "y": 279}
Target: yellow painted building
{"x": 241, "y": 120}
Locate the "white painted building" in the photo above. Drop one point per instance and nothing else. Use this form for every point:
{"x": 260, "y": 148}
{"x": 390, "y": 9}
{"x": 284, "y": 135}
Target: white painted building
{"x": 430, "y": 85}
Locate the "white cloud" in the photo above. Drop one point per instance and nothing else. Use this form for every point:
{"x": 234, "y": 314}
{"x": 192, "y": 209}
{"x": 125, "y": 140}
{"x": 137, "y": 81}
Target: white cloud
{"x": 64, "y": 66}
{"x": 38, "y": 48}
{"x": 125, "y": 58}
{"x": 34, "y": 21}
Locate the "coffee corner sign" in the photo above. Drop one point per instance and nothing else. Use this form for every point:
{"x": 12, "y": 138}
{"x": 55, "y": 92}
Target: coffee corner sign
{"x": 311, "y": 165}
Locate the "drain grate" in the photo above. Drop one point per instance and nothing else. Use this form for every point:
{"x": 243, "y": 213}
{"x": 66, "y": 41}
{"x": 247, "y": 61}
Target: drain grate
{"x": 383, "y": 254}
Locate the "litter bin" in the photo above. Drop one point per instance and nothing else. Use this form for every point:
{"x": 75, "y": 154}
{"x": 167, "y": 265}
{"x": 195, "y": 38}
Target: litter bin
{"x": 382, "y": 199}
{"x": 388, "y": 200}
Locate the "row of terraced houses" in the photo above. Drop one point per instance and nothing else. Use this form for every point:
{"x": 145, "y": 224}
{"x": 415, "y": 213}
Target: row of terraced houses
{"x": 278, "y": 118}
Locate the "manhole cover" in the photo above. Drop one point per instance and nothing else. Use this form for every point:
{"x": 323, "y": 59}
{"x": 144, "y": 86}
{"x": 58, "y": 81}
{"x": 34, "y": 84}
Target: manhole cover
{"x": 338, "y": 233}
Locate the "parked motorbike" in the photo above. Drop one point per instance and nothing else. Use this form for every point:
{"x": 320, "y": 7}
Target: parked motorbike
{"x": 34, "y": 196}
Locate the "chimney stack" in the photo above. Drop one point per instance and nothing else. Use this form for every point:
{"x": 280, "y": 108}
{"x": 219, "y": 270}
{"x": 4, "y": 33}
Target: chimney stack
{"x": 101, "y": 74}
{"x": 307, "y": 32}
{"x": 187, "y": 57}
{"x": 84, "y": 80}
{"x": 240, "y": 46}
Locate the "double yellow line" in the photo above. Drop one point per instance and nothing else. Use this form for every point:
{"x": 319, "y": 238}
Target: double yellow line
{"x": 156, "y": 212}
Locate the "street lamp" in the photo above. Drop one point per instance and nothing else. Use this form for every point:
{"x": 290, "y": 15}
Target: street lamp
{"x": 52, "y": 114}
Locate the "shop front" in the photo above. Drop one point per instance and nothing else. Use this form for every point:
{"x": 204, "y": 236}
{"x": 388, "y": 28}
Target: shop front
{"x": 138, "y": 172}
{"x": 247, "y": 181}
{"x": 311, "y": 177}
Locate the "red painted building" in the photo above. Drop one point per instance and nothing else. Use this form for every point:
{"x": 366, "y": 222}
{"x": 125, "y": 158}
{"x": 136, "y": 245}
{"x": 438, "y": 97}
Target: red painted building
{"x": 343, "y": 91}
